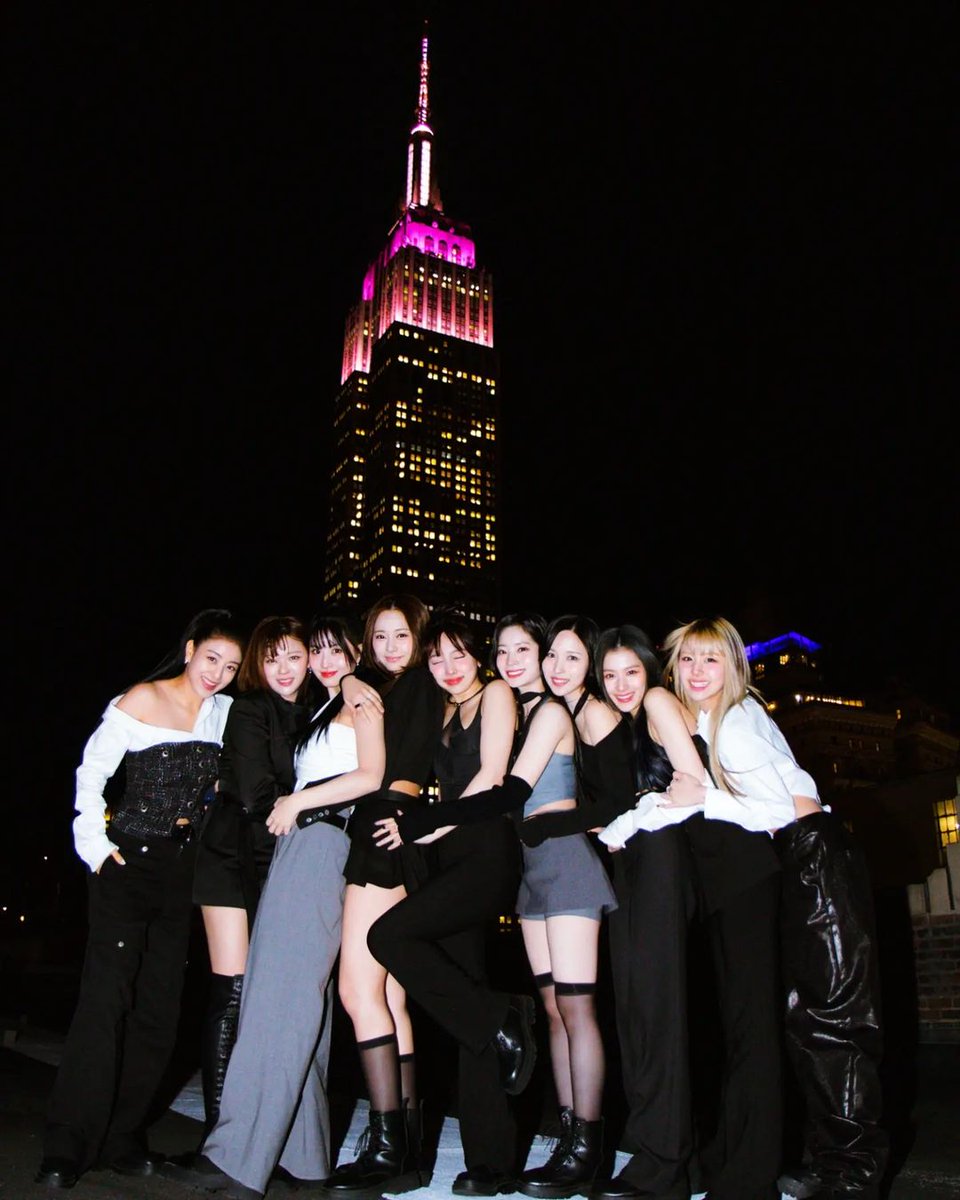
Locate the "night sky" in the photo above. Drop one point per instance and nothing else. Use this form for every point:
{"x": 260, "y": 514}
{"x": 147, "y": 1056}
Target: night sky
{"x": 725, "y": 259}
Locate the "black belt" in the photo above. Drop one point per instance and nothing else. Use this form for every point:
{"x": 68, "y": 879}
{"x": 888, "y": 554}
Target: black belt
{"x": 314, "y": 816}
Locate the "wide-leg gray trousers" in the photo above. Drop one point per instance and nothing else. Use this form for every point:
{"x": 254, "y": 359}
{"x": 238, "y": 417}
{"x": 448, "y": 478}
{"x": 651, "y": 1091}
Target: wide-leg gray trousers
{"x": 274, "y": 1107}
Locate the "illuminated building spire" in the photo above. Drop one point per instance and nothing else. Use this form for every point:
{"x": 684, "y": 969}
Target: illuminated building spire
{"x": 423, "y": 100}
{"x": 414, "y": 488}
{"x": 421, "y": 191}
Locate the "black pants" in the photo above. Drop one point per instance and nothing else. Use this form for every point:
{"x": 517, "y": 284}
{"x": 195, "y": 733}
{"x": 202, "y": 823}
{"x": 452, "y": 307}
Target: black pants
{"x": 653, "y": 877}
{"x": 433, "y": 944}
{"x": 832, "y": 1019}
{"x": 124, "y": 1028}
{"x": 743, "y": 1160}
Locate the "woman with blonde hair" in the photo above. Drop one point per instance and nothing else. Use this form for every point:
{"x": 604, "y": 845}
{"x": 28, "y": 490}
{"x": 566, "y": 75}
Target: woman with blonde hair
{"x": 827, "y": 957}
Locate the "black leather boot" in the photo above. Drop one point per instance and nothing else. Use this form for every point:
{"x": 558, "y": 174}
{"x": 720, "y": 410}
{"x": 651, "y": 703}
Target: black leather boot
{"x": 516, "y": 1045}
{"x": 382, "y": 1165}
{"x": 219, "y": 1035}
{"x": 571, "y": 1168}
{"x": 415, "y": 1157}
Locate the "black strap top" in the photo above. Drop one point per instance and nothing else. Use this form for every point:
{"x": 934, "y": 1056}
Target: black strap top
{"x": 457, "y": 759}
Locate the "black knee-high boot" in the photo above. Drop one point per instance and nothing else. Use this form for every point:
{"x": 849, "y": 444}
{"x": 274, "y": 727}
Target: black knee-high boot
{"x": 219, "y": 1035}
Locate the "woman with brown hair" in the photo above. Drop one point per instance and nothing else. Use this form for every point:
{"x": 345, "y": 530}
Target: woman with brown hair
{"x": 256, "y": 766}
{"x": 377, "y": 880}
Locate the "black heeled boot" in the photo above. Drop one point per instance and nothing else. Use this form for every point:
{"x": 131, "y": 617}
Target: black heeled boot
{"x": 382, "y": 1165}
{"x": 572, "y": 1167}
{"x": 219, "y": 1035}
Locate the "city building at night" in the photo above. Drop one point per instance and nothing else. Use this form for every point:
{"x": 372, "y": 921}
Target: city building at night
{"x": 887, "y": 764}
{"x": 414, "y": 476}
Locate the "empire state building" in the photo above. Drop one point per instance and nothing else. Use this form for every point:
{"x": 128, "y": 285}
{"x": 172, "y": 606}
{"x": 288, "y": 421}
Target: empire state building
{"x": 414, "y": 477}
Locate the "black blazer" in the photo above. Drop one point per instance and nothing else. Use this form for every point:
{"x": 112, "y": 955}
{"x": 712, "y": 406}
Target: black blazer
{"x": 256, "y": 762}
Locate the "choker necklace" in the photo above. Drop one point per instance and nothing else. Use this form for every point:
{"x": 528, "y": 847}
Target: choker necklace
{"x": 457, "y": 703}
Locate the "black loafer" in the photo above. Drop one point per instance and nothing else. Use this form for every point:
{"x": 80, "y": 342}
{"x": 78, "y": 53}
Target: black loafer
{"x": 57, "y": 1173}
{"x": 516, "y": 1046}
{"x": 482, "y": 1181}
{"x": 137, "y": 1162}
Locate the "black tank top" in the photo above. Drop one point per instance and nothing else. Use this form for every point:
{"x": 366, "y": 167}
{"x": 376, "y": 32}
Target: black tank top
{"x": 457, "y": 759}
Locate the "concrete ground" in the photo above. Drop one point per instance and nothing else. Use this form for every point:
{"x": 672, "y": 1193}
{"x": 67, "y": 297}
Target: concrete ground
{"x": 926, "y": 1159}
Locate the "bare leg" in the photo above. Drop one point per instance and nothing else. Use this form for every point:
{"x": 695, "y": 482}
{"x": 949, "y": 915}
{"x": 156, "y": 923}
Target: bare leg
{"x": 228, "y": 939}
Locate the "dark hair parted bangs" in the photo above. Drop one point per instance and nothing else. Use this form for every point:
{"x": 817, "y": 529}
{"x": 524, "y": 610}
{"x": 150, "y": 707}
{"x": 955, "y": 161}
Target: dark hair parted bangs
{"x": 533, "y": 625}
{"x": 628, "y": 637}
{"x": 268, "y": 635}
{"x": 587, "y": 630}
{"x": 414, "y": 612}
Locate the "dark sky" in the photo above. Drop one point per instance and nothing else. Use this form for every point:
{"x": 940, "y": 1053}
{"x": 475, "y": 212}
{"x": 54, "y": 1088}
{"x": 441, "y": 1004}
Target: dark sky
{"x": 725, "y": 262}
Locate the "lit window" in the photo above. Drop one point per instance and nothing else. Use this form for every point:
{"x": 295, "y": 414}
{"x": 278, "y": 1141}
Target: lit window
{"x": 945, "y": 812}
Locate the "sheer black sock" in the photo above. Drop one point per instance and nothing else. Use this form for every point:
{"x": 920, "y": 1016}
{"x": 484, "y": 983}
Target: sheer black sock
{"x": 585, "y": 1046}
{"x": 408, "y": 1080}
{"x": 381, "y": 1071}
{"x": 559, "y": 1049}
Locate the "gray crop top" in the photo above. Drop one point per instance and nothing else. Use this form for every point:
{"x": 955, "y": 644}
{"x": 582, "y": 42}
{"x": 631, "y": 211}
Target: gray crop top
{"x": 558, "y": 782}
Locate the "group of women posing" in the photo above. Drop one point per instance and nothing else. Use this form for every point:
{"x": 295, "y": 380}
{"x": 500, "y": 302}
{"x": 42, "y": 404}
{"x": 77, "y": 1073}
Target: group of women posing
{"x": 319, "y": 829}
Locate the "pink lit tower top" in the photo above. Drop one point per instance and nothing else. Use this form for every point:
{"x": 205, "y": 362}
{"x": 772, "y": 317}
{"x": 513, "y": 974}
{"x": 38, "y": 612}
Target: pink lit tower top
{"x": 413, "y": 490}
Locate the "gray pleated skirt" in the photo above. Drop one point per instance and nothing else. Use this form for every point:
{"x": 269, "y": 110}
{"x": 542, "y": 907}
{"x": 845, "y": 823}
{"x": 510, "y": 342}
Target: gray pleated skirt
{"x": 564, "y": 877}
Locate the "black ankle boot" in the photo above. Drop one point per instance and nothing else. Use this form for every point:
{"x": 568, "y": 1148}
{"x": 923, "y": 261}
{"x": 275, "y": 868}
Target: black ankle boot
{"x": 219, "y": 1035}
{"x": 382, "y": 1165}
{"x": 416, "y": 1161}
{"x": 571, "y": 1168}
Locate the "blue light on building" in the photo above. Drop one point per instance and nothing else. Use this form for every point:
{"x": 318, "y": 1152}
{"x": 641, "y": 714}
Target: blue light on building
{"x": 777, "y": 645}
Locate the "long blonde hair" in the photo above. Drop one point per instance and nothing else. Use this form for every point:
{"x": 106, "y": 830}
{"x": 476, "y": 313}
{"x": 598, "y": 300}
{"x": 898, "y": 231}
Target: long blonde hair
{"x": 718, "y": 635}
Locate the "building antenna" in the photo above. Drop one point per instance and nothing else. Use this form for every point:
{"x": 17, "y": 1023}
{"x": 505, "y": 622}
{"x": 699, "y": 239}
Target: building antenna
{"x": 420, "y": 147}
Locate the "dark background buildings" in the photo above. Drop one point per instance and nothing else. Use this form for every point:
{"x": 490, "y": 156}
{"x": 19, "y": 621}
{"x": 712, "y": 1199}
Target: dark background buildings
{"x": 724, "y": 248}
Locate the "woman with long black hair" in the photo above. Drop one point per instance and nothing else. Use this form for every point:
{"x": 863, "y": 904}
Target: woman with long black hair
{"x": 166, "y": 732}
{"x": 654, "y": 882}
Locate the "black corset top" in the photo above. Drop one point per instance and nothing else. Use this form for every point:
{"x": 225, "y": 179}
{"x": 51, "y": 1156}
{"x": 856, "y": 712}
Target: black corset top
{"x": 165, "y": 783}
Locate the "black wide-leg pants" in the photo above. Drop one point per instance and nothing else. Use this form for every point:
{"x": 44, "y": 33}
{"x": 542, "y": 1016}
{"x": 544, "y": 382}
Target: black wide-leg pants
{"x": 832, "y": 1019}
{"x": 124, "y": 1027}
{"x": 743, "y": 1160}
{"x": 433, "y": 943}
{"x": 653, "y": 878}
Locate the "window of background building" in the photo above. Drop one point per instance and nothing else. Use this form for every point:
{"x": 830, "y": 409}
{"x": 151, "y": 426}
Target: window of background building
{"x": 945, "y": 813}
